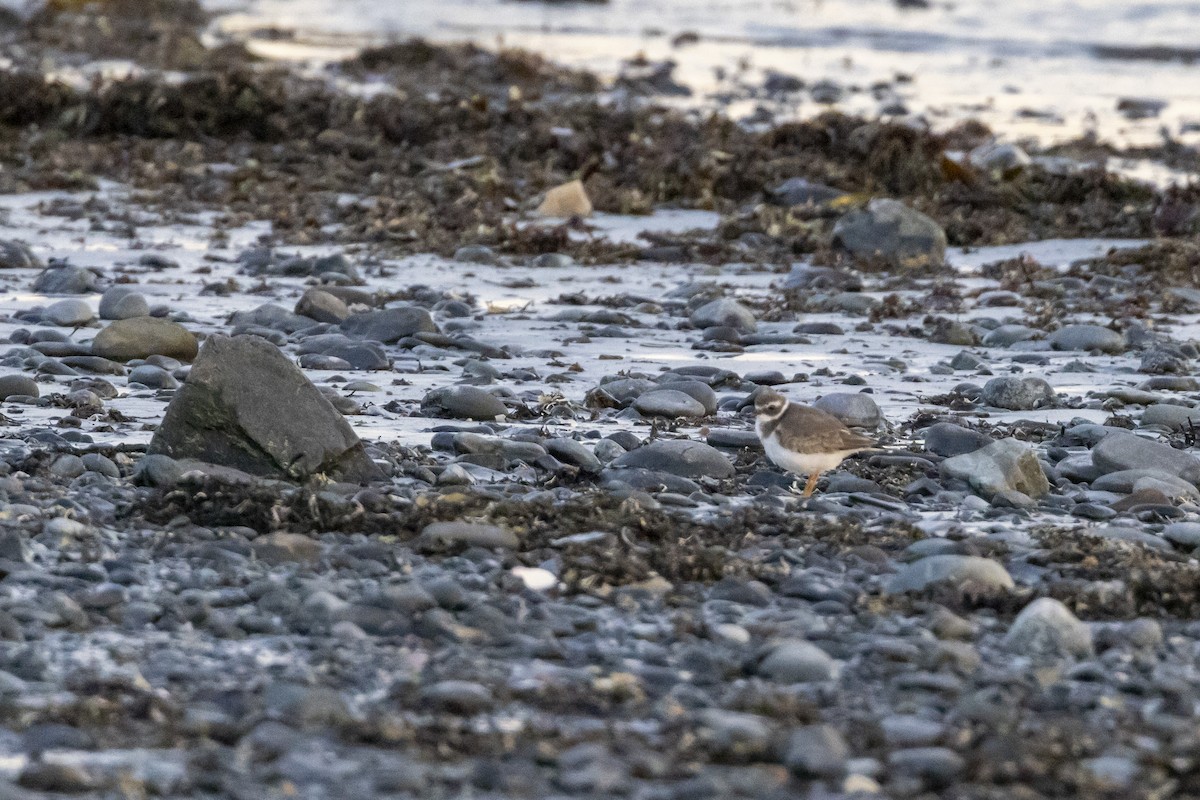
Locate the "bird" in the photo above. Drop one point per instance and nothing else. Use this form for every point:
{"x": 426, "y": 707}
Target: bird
{"x": 801, "y": 439}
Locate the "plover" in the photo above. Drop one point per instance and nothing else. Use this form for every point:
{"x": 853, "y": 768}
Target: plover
{"x": 802, "y": 439}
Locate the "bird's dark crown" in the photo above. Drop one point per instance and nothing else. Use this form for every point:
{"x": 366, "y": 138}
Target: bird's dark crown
{"x": 770, "y": 403}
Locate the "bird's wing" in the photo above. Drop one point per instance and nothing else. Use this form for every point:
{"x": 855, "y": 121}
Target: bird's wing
{"x": 810, "y": 430}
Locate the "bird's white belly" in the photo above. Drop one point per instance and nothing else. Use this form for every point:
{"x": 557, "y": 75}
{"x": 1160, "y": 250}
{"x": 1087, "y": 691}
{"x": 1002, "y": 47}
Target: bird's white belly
{"x": 801, "y": 463}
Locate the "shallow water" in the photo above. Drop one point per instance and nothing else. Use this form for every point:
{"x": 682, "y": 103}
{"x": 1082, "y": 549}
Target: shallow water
{"x": 1044, "y": 70}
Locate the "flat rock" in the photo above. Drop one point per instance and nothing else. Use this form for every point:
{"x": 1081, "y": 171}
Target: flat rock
{"x": 1087, "y": 337}
{"x": 960, "y": 571}
{"x": 890, "y": 230}
{"x": 469, "y": 533}
{"x": 465, "y": 402}
{"x": 1008, "y": 465}
{"x": 681, "y": 457}
{"x": 282, "y": 548}
{"x": 69, "y": 313}
{"x": 1175, "y": 418}
{"x": 1127, "y": 480}
{"x": 246, "y": 405}
{"x": 1046, "y": 629}
{"x": 1125, "y": 451}
{"x": 66, "y": 279}
{"x": 389, "y": 325}
{"x": 669, "y": 403}
{"x": 947, "y": 439}
{"x": 143, "y": 337}
{"x": 270, "y": 316}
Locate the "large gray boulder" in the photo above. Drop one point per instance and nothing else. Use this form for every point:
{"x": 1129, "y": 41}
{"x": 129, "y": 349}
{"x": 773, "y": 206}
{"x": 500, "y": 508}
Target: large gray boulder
{"x": 1118, "y": 452}
{"x": 889, "y": 230}
{"x": 245, "y": 405}
{"x": 1004, "y": 466}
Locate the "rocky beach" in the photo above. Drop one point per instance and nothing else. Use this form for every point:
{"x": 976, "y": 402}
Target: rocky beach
{"x": 380, "y": 423}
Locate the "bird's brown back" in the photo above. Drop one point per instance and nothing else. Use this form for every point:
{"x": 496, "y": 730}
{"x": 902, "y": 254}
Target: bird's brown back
{"x": 805, "y": 429}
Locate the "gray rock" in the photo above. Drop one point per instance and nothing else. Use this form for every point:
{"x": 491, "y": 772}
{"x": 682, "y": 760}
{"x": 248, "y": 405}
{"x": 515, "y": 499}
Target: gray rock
{"x": 66, "y": 279}
{"x": 909, "y": 730}
{"x": 681, "y": 457}
{"x": 725, "y": 313}
{"x": 1130, "y": 480}
{"x": 697, "y": 390}
{"x": 1018, "y": 394}
{"x": 269, "y": 316}
{"x": 69, "y": 313}
{"x": 14, "y": 546}
{"x": 123, "y": 302}
{"x": 17, "y": 255}
{"x": 1087, "y": 337}
{"x": 574, "y": 453}
{"x": 18, "y": 385}
{"x": 802, "y": 192}
{"x": 389, "y": 325}
{"x": 1000, "y": 157}
{"x": 625, "y": 390}
{"x": 817, "y": 751}
{"x": 143, "y": 337}
{"x": 936, "y": 766}
{"x": 457, "y": 697}
{"x": 890, "y": 230}
{"x": 476, "y": 254}
{"x": 1184, "y": 534}
{"x": 469, "y": 533}
{"x": 154, "y": 377}
{"x": 96, "y": 462}
{"x": 807, "y": 276}
{"x": 947, "y": 439}
{"x": 286, "y": 548}
{"x": 734, "y": 734}
{"x": 68, "y": 466}
{"x": 158, "y": 470}
{"x": 465, "y": 402}
{"x": 1046, "y": 629}
{"x": 669, "y": 403}
{"x": 322, "y": 306}
{"x": 1125, "y": 451}
{"x": 855, "y": 409}
{"x": 797, "y": 661}
{"x": 1008, "y": 335}
{"x": 1008, "y": 465}
{"x": 961, "y": 571}
{"x": 246, "y": 406}
{"x": 1175, "y": 418}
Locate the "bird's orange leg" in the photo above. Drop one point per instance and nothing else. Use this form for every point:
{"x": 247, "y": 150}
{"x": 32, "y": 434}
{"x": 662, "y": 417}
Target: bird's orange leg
{"x": 812, "y": 484}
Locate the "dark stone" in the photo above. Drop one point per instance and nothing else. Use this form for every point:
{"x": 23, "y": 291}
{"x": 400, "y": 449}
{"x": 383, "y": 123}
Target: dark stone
{"x": 245, "y": 405}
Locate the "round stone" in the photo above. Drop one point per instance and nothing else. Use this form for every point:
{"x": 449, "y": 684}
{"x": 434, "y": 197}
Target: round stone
{"x": 669, "y": 403}
{"x": 855, "y": 409}
{"x": 18, "y": 385}
{"x": 142, "y": 337}
{"x": 123, "y": 302}
{"x": 1046, "y": 629}
{"x": 68, "y": 313}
